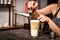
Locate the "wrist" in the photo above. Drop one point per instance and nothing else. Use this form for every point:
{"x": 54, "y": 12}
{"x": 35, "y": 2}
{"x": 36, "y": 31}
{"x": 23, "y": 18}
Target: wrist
{"x": 48, "y": 19}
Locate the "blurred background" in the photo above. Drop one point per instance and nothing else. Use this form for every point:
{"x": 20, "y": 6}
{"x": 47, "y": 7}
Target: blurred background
{"x": 20, "y": 8}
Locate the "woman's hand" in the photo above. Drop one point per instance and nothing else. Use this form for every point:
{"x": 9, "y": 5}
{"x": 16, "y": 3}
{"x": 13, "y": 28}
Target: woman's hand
{"x": 43, "y": 18}
{"x": 32, "y": 4}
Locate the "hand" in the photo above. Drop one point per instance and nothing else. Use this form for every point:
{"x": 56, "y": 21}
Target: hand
{"x": 43, "y": 18}
{"x": 35, "y": 15}
{"x": 32, "y": 4}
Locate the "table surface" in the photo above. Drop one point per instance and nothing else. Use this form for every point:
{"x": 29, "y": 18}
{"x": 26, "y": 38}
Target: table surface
{"x": 22, "y": 34}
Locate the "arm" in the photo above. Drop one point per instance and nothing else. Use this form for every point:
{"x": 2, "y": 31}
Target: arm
{"x": 47, "y": 10}
{"x": 54, "y": 27}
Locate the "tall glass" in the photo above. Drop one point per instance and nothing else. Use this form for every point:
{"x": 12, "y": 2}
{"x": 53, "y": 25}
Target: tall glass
{"x": 34, "y": 26}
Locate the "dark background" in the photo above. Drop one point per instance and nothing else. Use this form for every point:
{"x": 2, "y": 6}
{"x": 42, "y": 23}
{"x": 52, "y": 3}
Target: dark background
{"x": 52, "y": 1}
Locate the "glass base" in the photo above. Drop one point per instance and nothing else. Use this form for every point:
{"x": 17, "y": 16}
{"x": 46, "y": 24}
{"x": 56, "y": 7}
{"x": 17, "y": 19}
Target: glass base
{"x": 34, "y": 37}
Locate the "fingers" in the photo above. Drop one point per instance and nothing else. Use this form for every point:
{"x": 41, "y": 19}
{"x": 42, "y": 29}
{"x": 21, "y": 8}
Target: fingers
{"x": 42, "y": 18}
{"x": 39, "y": 18}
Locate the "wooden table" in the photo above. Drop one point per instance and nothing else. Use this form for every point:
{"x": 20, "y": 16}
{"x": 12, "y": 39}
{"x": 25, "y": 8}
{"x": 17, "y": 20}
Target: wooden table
{"x": 22, "y": 34}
